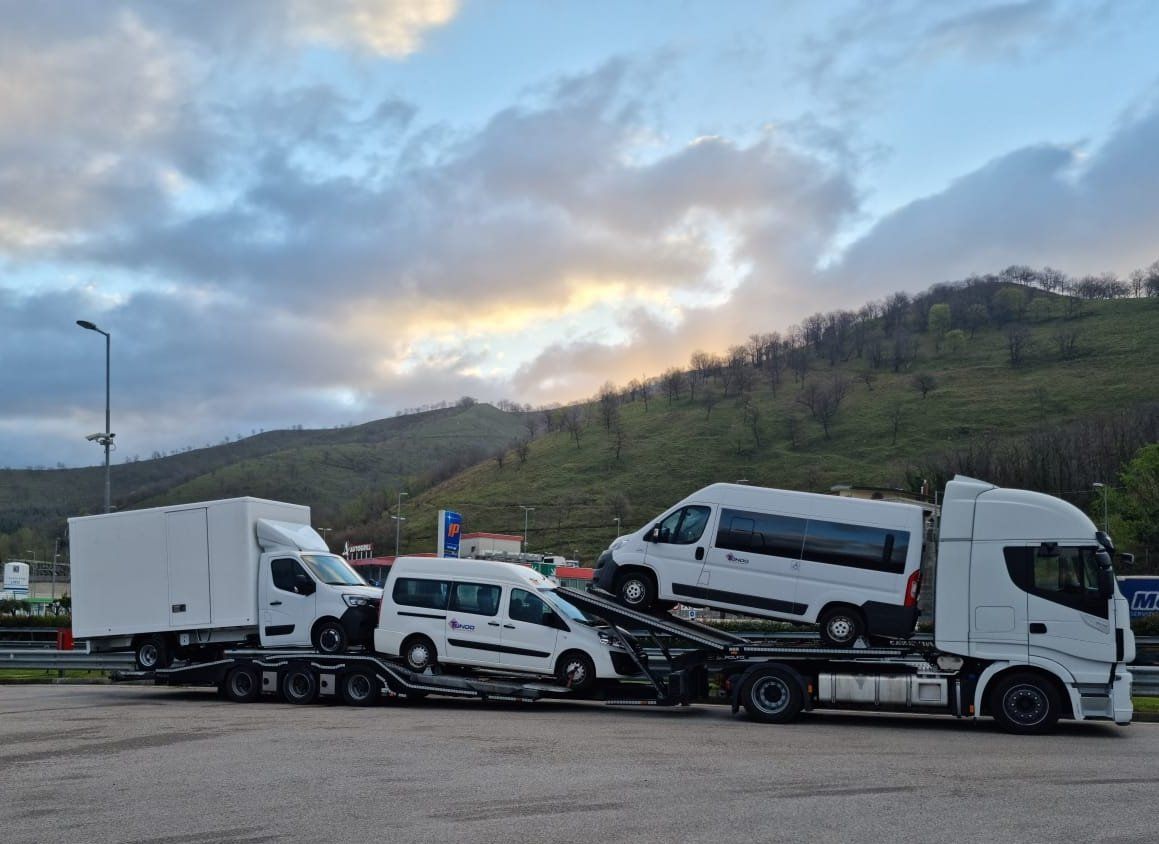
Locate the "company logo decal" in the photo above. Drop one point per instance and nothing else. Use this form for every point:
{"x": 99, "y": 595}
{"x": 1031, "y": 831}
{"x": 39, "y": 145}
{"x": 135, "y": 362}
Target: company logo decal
{"x": 1148, "y": 601}
{"x": 733, "y": 558}
{"x": 458, "y": 625}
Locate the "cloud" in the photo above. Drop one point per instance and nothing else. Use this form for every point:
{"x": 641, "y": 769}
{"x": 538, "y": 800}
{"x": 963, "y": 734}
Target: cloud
{"x": 386, "y": 27}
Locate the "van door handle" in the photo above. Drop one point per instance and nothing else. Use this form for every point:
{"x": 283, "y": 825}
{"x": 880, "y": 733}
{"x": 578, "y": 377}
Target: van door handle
{"x": 275, "y": 603}
{"x": 1037, "y": 627}
{"x": 700, "y": 553}
{"x": 509, "y": 626}
{"x": 492, "y": 623}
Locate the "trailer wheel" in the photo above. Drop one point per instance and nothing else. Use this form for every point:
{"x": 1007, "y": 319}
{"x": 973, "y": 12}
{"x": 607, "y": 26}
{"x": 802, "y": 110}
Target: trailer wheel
{"x": 359, "y": 688}
{"x": 841, "y": 626}
{"x": 242, "y": 685}
{"x": 152, "y": 653}
{"x": 1026, "y": 703}
{"x": 636, "y": 589}
{"x": 300, "y": 686}
{"x": 330, "y": 637}
{"x": 419, "y": 654}
{"x": 772, "y": 696}
{"x": 576, "y": 670}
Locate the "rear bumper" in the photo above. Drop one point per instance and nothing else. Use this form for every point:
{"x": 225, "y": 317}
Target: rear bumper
{"x": 889, "y": 619}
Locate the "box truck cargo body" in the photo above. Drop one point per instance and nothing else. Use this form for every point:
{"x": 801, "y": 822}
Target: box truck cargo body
{"x": 178, "y": 580}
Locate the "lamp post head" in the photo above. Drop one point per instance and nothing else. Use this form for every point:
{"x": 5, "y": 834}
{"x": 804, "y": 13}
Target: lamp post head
{"x": 91, "y": 326}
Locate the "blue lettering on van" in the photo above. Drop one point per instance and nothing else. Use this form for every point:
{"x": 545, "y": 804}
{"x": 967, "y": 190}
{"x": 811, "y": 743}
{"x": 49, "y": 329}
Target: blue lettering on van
{"x": 1148, "y": 601}
{"x": 733, "y": 558}
{"x": 458, "y": 625}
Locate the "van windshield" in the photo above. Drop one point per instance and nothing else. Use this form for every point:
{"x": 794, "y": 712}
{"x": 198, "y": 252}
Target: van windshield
{"x": 332, "y": 570}
{"x": 568, "y": 610}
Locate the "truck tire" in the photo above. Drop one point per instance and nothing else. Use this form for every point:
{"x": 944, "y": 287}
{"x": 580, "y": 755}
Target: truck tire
{"x": 1025, "y": 703}
{"x": 576, "y": 670}
{"x": 241, "y": 685}
{"x": 841, "y": 626}
{"x": 772, "y": 696}
{"x": 636, "y": 590}
{"x": 419, "y": 654}
{"x": 152, "y": 652}
{"x": 360, "y": 688}
{"x": 299, "y": 686}
{"x": 330, "y": 637}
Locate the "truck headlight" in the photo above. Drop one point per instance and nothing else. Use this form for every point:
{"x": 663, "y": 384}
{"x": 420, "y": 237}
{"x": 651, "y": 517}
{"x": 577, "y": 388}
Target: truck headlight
{"x": 356, "y": 600}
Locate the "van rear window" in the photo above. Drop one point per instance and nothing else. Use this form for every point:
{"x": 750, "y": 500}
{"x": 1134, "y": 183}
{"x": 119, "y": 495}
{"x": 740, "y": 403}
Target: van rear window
{"x": 856, "y": 546}
{"x": 420, "y": 592}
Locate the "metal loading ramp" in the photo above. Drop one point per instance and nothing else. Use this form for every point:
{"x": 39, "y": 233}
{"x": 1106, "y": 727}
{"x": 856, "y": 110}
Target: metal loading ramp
{"x": 612, "y": 612}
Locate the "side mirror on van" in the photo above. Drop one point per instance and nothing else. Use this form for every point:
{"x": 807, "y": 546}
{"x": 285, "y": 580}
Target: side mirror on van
{"x": 305, "y": 586}
{"x": 653, "y": 535}
{"x": 1127, "y": 561}
{"x": 1106, "y": 581}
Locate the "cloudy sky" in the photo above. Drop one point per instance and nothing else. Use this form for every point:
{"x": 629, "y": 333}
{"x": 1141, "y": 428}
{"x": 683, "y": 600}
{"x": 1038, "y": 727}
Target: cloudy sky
{"x": 294, "y": 212}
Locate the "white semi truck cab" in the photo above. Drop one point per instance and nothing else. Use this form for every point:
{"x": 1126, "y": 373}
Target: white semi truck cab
{"x": 1025, "y": 586}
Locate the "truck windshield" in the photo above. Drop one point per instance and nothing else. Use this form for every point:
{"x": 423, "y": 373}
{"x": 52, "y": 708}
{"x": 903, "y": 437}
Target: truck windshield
{"x": 568, "y": 610}
{"x": 332, "y": 570}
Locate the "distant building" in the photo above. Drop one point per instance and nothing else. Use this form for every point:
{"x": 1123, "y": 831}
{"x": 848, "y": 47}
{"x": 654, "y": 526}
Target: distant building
{"x": 489, "y": 545}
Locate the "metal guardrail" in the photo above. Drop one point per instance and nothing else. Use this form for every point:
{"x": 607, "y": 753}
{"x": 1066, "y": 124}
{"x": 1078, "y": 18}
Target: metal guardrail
{"x": 1146, "y": 681}
{"x": 53, "y": 659}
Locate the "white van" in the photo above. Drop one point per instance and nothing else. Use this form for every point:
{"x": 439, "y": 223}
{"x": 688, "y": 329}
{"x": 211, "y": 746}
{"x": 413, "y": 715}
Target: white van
{"x": 491, "y": 615}
{"x": 851, "y": 565}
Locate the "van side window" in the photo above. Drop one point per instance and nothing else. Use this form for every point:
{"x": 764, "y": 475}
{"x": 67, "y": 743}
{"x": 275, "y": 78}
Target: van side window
{"x": 763, "y": 533}
{"x": 1068, "y": 577}
{"x": 856, "y": 546}
{"x": 523, "y": 606}
{"x": 288, "y": 574}
{"x": 420, "y": 592}
{"x": 685, "y": 526}
{"x": 477, "y": 598}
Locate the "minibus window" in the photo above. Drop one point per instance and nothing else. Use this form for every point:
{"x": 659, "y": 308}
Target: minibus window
{"x": 476, "y": 598}
{"x": 528, "y": 608}
{"x": 420, "y": 592}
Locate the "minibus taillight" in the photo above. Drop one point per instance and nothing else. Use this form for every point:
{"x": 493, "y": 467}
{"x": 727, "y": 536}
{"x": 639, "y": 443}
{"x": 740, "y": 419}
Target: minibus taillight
{"x": 912, "y": 587}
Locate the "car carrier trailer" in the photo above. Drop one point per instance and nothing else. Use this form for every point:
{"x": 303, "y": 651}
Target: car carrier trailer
{"x": 772, "y": 682}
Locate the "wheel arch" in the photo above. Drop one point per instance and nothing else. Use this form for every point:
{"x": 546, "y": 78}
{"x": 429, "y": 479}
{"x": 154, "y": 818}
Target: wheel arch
{"x": 740, "y": 678}
{"x": 1062, "y": 680}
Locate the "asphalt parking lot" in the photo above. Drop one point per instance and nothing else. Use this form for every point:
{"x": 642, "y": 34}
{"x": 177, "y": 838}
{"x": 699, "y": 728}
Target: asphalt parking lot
{"x": 171, "y": 766}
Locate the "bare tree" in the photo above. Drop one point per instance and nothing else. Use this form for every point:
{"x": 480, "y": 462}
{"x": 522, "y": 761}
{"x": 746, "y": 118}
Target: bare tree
{"x": 523, "y": 449}
{"x": 619, "y": 438}
{"x": 1017, "y": 343}
{"x": 710, "y": 398}
{"x": 868, "y": 377}
{"x": 531, "y": 424}
{"x": 500, "y": 456}
{"x": 924, "y": 382}
{"x": 793, "y": 429}
{"x": 672, "y": 381}
{"x": 751, "y": 413}
{"x": 573, "y": 420}
{"x": 1067, "y": 340}
{"x": 645, "y": 393}
{"x": 895, "y": 416}
{"x": 608, "y": 402}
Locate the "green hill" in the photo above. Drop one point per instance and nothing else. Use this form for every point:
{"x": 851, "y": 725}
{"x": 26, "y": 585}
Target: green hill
{"x": 343, "y": 473}
{"x": 1083, "y": 366}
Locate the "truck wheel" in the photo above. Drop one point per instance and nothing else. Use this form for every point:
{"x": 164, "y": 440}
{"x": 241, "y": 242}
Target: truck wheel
{"x": 300, "y": 686}
{"x": 636, "y": 590}
{"x": 841, "y": 627}
{"x": 576, "y": 670}
{"x": 419, "y": 654}
{"x": 1025, "y": 703}
{"x": 330, "y": 637}
{"x": 772, "y": 696}
{"x": 360, "y": 688}
{"x": 241, "y": 685}
{"x": 152, "y": 653}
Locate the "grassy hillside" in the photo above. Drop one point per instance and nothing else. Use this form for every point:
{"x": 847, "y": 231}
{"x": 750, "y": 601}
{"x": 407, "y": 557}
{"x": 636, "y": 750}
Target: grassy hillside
{"x": 332, "y": 470}
{"x": 671, "y": 448}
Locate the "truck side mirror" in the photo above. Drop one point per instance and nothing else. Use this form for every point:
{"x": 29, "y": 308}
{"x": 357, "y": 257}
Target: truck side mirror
{"x": 1127, "y": 561}
{"x": 653, "y": 535}
{"x": 1106, "y": 583}
{"x": 305, "y": 586}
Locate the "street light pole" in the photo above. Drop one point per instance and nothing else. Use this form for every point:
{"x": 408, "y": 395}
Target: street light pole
{"x": 526, "y": 510}
{"x": 106, "y": 438}
{"x": 398, "y": 520}
{"x": 617, "y": 518}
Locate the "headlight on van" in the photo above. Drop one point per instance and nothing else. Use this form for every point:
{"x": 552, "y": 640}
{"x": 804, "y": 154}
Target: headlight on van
{"x": 605, "y": 639}
{"x": 619, "y": 543}
{"x": 356, "y": 600}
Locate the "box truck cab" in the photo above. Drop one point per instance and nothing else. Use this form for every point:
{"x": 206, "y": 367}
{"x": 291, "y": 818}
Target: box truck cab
{"x": 494, "y": 615}
{"x": 185, "y": 580}
{"x": 850, "y": 565}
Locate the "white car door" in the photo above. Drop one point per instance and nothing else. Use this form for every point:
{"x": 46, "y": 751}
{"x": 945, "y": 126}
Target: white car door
{"x": 675, "y": 549}
{"x": 530, "y": 633}
{"x": 474, "y": 631}
{"x": 287, "y": 600}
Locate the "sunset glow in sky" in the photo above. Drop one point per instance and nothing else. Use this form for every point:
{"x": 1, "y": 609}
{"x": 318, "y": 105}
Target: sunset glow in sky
{"x": 295, "y": 212}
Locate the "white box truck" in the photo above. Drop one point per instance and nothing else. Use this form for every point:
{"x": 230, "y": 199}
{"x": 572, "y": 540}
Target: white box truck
{"x": 183, "y": 581}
